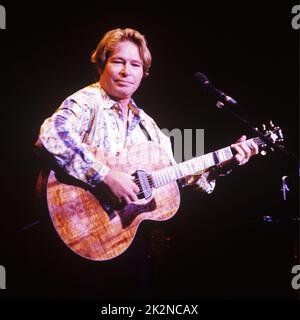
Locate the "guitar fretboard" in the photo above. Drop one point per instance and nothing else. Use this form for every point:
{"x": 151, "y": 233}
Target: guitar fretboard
{"x": 193, "y": 166}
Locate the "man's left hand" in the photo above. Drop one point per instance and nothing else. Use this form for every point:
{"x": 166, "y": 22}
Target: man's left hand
{"x": 244, "y": 152}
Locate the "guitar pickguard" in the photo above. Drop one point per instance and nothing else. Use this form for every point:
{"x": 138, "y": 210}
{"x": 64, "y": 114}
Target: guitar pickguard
{"x": 131, "y": 211}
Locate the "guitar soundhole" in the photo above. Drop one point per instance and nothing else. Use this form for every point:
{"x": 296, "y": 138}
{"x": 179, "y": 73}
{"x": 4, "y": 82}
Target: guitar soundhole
{"x": 145, "y": 183}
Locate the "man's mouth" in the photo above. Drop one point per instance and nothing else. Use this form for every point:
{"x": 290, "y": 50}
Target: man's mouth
{"x": 124, "y": 82}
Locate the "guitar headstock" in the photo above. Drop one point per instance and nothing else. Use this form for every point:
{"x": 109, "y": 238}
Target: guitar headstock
{"x": 274, "y": 133}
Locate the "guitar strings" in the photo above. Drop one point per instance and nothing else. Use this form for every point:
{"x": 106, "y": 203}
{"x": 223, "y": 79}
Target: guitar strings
{"x": 138, "y": 183}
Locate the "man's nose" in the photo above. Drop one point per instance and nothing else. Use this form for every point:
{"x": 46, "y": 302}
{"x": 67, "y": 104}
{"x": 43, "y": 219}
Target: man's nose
{"x": 125, "y": 70}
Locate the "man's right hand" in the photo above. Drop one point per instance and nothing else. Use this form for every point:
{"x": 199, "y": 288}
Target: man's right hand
{"x": 122, "y": 186}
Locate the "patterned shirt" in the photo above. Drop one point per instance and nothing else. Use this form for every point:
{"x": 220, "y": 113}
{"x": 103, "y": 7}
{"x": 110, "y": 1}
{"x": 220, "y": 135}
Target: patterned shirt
{"x": 90, "y": 118}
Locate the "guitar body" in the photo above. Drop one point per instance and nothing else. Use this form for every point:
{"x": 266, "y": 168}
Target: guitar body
{"x": 91, "y": 226}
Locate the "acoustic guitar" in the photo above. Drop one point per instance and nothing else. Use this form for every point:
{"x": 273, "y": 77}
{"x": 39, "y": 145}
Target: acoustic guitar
{"x": 95, "y": 228}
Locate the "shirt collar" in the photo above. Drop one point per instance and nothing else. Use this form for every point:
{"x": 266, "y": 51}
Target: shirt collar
{"x": 108, "y": 102}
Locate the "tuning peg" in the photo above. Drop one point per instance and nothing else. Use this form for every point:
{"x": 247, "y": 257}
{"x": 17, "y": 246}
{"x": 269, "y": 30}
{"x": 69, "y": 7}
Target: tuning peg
{"x": 263, "y": 152}
{"x": 264, "y": 127}
{"x": 220, "y": 105}
{"x": 272, "y": 124}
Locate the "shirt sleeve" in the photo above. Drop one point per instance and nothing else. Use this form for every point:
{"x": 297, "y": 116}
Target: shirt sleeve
{"x": 62, "y": 136}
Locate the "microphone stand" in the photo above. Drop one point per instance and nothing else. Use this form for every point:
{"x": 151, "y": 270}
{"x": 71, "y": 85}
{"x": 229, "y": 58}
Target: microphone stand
{"x": 229, "y": 106}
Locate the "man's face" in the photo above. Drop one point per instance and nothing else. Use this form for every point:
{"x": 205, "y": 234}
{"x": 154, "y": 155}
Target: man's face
{"x": 123, "y": 71}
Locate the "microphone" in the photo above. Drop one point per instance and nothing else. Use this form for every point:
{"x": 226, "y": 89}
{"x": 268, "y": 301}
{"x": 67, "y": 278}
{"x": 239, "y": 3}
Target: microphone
{"x": 203, "y": 82}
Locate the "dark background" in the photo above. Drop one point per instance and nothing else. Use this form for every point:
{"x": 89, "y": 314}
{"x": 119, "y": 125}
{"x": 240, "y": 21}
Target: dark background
{"x": 217, "y": 246}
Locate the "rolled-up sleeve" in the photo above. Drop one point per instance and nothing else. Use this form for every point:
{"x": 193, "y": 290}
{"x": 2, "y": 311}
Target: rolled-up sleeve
{"x": 62, "y": 136}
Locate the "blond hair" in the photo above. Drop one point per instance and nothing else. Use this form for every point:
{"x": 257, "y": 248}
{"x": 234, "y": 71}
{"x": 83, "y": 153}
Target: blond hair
{"x": 109, "y": 42}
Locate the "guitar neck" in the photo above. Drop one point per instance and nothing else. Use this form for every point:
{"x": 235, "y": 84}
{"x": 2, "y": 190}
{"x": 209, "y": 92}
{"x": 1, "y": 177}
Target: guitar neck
{"x": 196, "y": 165}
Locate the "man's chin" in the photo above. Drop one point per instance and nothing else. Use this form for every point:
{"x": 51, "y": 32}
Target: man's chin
{"x": 124, "y": 93}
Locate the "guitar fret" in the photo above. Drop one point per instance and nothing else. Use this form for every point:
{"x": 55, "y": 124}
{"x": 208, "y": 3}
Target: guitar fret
{"x": 154, "y": 178}
{"x": 180, "y": 170}
{"x": 182, "y": 167}
{"x": 190, "y": 169}
{"x": 163, "y": 177}
{"x": 220, "y": 156}
{"x": 159, "y": 178}
{"x": 209, "y": 160}
{"x": 166, "y": 176}
{"x": 215, "y": 157}
{"x": 171, "y": 174}
{"x": 186, "y": 169}
{"x": 223, "y": 155}
{"x": 205, "y": 161}
{"x": 227, "y": 154}
{"x": 199, "y": 163}
{"x": 193, "y": 166}
{"x": 177, "y": 171}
